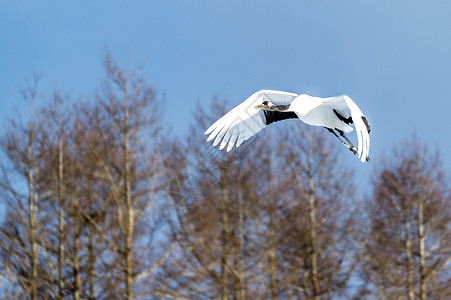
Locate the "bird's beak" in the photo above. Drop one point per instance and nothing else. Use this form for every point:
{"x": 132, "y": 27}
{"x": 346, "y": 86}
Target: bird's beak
{"x": 259, "y": 106}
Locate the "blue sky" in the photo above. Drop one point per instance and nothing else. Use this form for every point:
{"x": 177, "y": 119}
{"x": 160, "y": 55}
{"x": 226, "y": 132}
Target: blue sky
{"x": 392, "y": 57}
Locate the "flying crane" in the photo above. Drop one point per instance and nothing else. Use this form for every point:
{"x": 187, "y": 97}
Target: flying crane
{"x": 265, "y": 107}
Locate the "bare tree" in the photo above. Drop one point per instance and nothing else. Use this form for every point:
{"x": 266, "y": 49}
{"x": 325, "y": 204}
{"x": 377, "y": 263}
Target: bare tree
{"x": 320, "y": 226}
{"x": 126, "y": 121}
{"x": 60, "y": 158}
{"x": 408, "y": 248}
{"x": 52, "y": 152}
{"x": 212, "y": 195}
{"x": 21, "y": 245}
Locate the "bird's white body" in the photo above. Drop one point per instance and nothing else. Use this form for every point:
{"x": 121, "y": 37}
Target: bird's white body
{"x": 333, "y": 113}
{"x": 315, "y": 111}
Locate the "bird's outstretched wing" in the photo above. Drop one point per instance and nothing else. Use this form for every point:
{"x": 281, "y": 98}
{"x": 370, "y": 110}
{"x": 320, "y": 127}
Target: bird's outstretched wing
{"x": 347, "y": 109}
{"x": 245, "y": 120}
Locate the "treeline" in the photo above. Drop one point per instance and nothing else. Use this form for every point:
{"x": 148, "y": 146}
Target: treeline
{"x": 101, "y": 203}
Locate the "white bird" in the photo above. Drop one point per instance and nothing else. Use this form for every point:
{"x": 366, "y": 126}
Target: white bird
{"x": 266, "y": 106}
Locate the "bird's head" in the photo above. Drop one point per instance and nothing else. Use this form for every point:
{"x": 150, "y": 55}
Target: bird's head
{"x": 264, "y": 105}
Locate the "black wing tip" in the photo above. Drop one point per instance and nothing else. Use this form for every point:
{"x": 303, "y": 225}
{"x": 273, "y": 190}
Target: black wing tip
{"x": 368, "y": 128}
